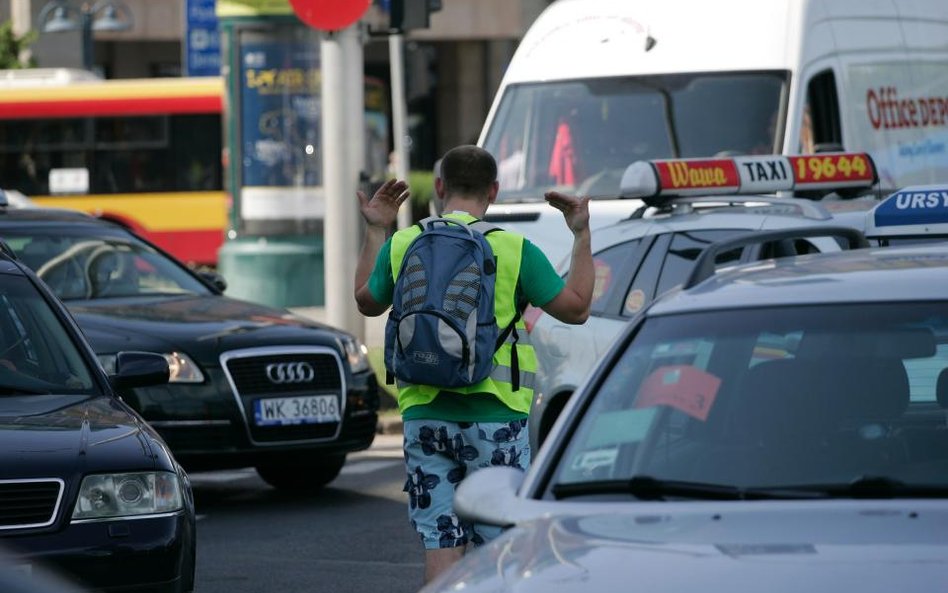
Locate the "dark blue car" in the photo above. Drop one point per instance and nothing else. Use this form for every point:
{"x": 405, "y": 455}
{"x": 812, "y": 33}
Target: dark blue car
{"x": 87, "y": 489}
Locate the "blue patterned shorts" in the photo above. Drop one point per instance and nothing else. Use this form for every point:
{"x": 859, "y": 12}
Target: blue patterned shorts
{"x": 438, "y": 454}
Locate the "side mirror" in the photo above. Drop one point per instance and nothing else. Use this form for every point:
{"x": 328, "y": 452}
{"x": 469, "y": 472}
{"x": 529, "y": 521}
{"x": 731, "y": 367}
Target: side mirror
{"x": 489, "y": 495}
{"x": 139, "y": 369}
{"x": 215, "y": 280}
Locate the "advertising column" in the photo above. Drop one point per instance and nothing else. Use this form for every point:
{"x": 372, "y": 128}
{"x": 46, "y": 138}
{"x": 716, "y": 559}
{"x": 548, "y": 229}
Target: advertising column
{"x": 273, "y": 252}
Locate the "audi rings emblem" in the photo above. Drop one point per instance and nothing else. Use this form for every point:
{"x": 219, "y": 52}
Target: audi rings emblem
{"x": 282, "y": 373}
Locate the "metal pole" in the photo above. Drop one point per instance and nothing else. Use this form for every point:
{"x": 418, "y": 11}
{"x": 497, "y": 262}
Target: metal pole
{"x": 88, "y": 47}
{"x": 352, "y": 41}
{"x": 22, "y": 23}
{"x": 340, "y": 226}
{"x": 399, "y": 120}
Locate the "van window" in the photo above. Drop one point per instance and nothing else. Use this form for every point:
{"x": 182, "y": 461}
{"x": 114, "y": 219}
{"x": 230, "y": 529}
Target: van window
{"x": 821, "y": 130}
{"x": 580, "y": 135}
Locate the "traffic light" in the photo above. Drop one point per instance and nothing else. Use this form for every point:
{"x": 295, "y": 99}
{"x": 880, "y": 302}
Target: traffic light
{"x": 411, "y": 14}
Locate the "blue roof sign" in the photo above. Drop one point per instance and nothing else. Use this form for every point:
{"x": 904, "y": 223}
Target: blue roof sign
{"x": 912, "y": 211}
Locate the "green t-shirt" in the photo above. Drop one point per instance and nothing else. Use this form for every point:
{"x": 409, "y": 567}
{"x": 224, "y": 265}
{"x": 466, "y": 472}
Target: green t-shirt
{"x": 538, "y": 284}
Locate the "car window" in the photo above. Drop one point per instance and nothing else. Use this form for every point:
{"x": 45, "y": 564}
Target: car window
{"x": 684, "y": 250}
{"x": 612, "y": 266}
{"x": 36, "y": 353}
{"x": 642, "y": 288}
{"x": 772, "y": 397}
{"x": 91, "y": 267}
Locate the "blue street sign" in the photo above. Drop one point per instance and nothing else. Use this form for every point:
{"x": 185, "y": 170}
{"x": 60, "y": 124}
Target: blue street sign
{"x": 202, "y": 47}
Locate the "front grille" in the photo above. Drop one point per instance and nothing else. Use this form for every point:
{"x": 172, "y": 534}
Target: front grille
{"x": 29, "y": 503}
{"x": 250, "y": 374}
{"x": 317, "y": 371}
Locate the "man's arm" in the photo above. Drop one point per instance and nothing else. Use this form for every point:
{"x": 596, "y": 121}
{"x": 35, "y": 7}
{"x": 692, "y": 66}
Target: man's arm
{"x": 571, "y": 305}
{"x": 380, "y": 213}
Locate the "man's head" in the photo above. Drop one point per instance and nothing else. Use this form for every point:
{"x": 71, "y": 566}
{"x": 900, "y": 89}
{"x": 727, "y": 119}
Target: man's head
{"x": 467, "y": 173}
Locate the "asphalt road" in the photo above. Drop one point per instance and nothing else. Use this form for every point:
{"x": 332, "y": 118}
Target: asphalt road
{"x": 353, "y": 536}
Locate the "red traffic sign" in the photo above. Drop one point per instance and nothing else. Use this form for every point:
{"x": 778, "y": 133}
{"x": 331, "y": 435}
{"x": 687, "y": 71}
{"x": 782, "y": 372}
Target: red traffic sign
{"x": 330, "y": 15}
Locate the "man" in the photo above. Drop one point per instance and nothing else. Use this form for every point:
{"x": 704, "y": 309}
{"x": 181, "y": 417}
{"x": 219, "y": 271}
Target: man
{"x": 450, "y": 433}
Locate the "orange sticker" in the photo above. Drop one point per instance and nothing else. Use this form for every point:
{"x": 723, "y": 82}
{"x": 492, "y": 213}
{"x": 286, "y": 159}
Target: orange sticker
{"x": 603, "y": 278}
{"x": 682, "y": 387}
{"x": 635, "y": 300}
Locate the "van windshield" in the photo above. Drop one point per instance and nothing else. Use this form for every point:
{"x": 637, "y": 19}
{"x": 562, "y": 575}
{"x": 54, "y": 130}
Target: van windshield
{"x": 580, "y": 135}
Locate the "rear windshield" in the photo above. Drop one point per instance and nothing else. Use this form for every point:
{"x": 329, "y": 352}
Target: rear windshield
{"x": 580, "y": 135}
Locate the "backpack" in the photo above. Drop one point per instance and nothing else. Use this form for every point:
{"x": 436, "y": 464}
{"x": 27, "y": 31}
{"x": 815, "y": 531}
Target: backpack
{"x": 442, "y": 330}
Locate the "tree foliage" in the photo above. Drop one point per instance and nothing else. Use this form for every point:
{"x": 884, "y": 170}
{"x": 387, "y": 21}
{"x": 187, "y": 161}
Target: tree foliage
{"x": 11, "y": 45}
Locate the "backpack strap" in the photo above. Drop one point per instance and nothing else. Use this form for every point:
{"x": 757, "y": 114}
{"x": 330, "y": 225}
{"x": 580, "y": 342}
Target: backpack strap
{"x": 483, "y": 227}
{"x": 507, "y": 331}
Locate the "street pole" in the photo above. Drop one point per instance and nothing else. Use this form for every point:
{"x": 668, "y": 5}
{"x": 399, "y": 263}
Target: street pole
{"x": 399, "y": 120}
{"x": 341, "y": 224}
{"x": 355, "y": 141}
{"x": 88, "y": 45}
{"x": 22, "y": 23}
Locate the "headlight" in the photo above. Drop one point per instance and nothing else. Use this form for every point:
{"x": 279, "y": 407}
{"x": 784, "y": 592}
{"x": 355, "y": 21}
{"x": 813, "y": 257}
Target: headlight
{"x": 121, "y": 495}
{"x": 183, "y": 369}
{"x": 180, "y": 367}
{"x": 357, "y": 354}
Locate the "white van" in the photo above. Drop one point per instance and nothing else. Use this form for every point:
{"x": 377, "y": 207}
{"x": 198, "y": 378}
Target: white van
{"x": 598, "y": 84}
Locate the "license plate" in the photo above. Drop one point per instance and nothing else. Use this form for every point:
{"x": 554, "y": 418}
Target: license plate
{"x": 309, "y": 409}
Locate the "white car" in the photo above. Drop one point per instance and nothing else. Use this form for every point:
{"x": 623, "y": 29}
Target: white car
{"x": 778, "y": 426}
{"x": 651, "y": 253}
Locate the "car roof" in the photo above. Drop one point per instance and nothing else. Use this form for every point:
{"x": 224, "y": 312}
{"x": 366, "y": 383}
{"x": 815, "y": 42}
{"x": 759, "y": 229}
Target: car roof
{"x": 757, "y": 213}
{"x": 45, "y": 215}
{"x": 884, "y": 274}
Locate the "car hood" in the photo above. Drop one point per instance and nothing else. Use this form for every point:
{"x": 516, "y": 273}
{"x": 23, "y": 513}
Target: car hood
{"x": 60, "y": 435}
{"x": 869, "y": 546}
{"x": 203, "y": 326}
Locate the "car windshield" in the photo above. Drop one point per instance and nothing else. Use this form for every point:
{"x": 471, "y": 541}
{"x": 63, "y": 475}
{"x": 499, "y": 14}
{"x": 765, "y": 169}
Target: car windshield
{"x": 84, "y": 266}
{"x": 37, "y": 356}
{"x": 580, "y": 135}
{"x": 817, "y": 398}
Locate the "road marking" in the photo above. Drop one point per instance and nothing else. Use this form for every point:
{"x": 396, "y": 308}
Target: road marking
{"x": 221, "y": 477}
{"x": 365, "y": 467}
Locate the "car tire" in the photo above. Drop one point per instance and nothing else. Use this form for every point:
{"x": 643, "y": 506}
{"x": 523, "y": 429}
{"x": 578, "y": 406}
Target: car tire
{"x": 301, "y": 476}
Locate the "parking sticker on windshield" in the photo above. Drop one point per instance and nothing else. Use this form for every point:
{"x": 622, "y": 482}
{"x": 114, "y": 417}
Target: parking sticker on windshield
{"x": 682, "y": 387}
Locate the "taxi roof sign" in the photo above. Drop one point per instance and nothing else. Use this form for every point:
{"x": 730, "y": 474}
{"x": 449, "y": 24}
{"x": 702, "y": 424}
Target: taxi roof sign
{"x": 914, "y": 211}
{"x": 657, "y": 180}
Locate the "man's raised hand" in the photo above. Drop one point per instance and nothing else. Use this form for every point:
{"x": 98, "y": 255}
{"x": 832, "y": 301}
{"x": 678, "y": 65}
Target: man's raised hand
{"x": 382, "y": 210}
{"x": 575, "y": 210}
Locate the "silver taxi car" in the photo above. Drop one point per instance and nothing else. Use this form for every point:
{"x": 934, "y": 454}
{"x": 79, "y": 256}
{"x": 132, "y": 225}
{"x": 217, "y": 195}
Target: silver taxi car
{"x": 779, "y": 426}
{"x": 652, "y": 252}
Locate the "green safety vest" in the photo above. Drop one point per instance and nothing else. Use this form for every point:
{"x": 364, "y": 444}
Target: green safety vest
{"x": 508, "y": 253}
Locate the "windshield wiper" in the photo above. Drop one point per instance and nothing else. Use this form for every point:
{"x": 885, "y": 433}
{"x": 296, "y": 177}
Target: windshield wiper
{"x": 649, "y": 488}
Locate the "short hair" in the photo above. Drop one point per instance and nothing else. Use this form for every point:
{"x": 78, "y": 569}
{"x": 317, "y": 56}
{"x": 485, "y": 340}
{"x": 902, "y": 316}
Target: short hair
{"x": 468, "y": 170}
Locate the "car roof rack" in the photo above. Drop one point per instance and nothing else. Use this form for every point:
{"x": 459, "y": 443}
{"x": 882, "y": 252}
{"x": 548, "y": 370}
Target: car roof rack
{"x": 704, "y": 266}
{"x": 656, "y": 182}
{"x": 688, "y": 204}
